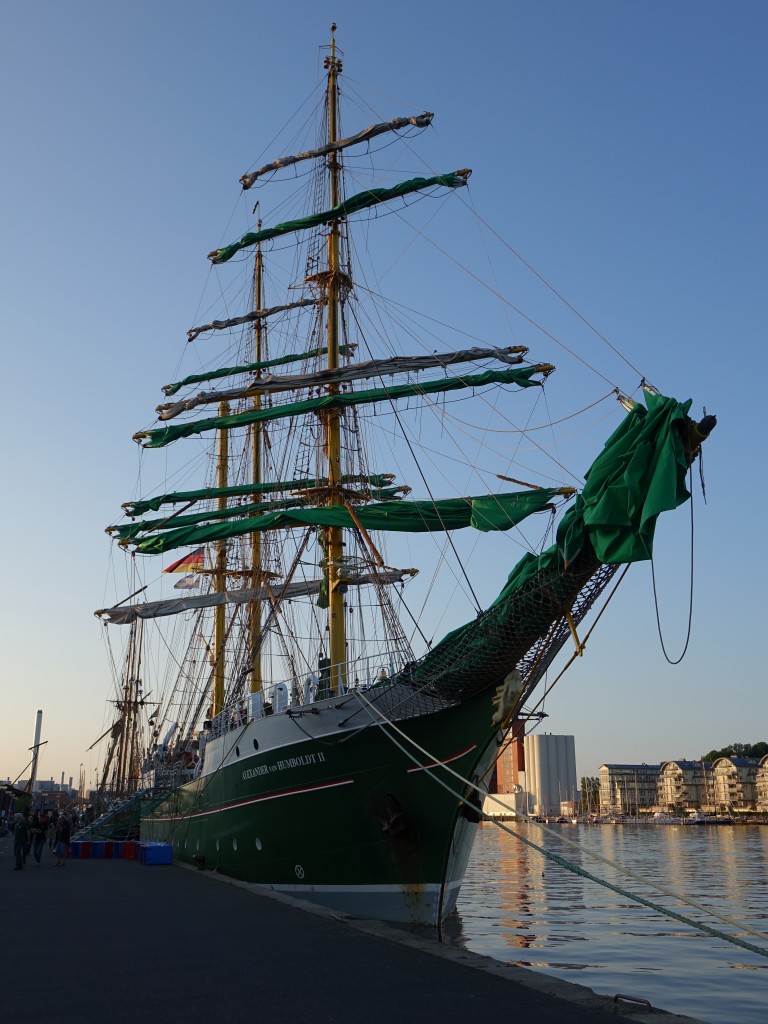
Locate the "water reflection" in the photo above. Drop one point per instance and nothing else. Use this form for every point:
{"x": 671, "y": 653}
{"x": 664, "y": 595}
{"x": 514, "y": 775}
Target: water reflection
{"x": 519, "y": 907}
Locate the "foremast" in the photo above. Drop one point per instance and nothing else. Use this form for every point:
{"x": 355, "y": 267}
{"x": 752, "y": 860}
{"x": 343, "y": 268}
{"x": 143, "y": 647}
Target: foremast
{"x": 333, "y": 535}
{"x": 220, "y": 575}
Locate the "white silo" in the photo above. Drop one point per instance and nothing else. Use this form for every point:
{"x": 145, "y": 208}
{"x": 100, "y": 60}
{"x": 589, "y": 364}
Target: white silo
{"x": 550, "y": 772}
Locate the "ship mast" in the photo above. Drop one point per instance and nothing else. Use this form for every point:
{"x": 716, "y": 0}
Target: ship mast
{"x": 256, "y": 473}
{"x": 333, "y": 542}
{"x": 220, "y": 574}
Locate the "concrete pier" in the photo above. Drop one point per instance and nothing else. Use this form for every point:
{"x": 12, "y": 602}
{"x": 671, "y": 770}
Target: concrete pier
{"x": 116, "y": 942}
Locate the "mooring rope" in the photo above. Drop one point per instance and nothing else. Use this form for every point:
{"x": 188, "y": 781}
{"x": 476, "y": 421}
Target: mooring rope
{"x": 434, "y": 762}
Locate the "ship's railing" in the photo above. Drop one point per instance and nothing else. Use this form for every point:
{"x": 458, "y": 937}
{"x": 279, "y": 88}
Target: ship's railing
{"x": 278, "y": 698}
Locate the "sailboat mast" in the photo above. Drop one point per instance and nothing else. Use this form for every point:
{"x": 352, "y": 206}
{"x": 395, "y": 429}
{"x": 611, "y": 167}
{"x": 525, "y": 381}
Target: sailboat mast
{"x": 254, "y": 622}
{"x": 334, "y": 544}
{"x": 220, "y": 574}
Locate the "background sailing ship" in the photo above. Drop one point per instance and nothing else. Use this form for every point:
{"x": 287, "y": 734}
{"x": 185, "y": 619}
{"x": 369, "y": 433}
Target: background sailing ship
{"x": 323, "y": 737}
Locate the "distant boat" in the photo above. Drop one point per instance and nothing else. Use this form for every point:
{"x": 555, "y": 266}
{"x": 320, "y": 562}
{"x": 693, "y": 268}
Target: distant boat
{"x": 699, "y": 818}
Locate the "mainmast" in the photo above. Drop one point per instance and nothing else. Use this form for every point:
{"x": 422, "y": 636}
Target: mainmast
{"x": 256, "y": 473}
{"x": 334, "y": 544}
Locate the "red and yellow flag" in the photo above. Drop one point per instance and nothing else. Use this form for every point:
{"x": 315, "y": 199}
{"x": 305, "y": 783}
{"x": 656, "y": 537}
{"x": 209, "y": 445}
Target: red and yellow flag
{"x": 193, "y": 562}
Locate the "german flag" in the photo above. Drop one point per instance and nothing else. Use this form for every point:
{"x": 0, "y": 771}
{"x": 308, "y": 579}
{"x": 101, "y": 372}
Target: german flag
{"x": 193, "y": 562}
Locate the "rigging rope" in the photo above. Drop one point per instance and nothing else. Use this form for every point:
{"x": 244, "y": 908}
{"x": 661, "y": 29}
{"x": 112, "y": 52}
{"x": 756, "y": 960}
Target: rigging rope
{"x": 690, "y": 594}
{"x": 469, "y": 205}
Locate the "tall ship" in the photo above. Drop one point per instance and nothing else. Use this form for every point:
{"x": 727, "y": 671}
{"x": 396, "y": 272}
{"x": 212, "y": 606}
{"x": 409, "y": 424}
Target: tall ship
{"x": 294, "y": 714}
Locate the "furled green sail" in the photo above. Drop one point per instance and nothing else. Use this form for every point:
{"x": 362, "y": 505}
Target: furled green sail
{"x": 362, "y": 201}
{"x": 162, "y": 436}
{"x": 171, "y": 522}
{"x": 486, "y": 513}
{"x": 640, "y": 473}
{"x": 264, "y": 364}
{"x": 142, "y": 505}
{"x": 326, "y": 378}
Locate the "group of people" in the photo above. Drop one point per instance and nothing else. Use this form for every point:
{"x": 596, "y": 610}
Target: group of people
{"x": 33, "y": 829}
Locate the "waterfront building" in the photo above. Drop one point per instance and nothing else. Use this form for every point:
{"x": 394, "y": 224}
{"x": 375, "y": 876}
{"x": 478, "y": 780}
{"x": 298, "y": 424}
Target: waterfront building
{"x": 761, "y": 785}
{"x": 550, "y": 774}
{"x": 628, "y": 788}
{"x": 685, "y": 786}
{"x": 736, "y": 783}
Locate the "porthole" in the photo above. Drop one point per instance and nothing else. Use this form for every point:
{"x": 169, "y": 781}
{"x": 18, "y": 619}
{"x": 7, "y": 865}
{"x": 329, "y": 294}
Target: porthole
{"x": 255, "y": 744}
{"x": 197, "y": 845}
{"x": 258, "y": 843}
{"x": 234, "y": 844}
{"x": 237, "y": 751}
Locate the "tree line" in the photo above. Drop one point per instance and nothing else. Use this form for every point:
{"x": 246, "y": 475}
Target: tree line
{"x": 757, "y": 750}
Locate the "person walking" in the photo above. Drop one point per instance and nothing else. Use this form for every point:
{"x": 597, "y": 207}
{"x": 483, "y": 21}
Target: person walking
{"x": 20, "y": 836}
{"x": 51, "y": 833}
{"x": 63, "y": 835}
{"x": 28, "y": 844}
{"x": 39, "y": 830}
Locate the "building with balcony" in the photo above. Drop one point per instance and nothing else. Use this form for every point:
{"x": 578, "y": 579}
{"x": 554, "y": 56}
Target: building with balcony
{"x": 761, "y": 785}
{"x": 628, "y": 788}
{"x": 735, "y": 784}
{"x": 685, "y": 785}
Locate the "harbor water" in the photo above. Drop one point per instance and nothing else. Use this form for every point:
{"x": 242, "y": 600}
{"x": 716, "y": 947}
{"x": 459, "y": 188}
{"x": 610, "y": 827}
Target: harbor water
{"x": 520, "y": 908}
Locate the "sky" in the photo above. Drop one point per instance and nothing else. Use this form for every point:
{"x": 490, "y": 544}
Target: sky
{"x": 619, "y": 148}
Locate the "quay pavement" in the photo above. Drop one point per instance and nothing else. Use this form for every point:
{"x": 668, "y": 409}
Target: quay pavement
{"x": 117, "y": 942}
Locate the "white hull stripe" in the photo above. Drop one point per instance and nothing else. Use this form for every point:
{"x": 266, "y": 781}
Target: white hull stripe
{"x": 437, "y": 764}
{"x": 427, "y": 888}
{"x": 255, "y": 800}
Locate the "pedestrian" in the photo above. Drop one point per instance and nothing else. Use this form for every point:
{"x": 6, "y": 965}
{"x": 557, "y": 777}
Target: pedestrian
{"x": 39, "y": 831}
{"x": 28, "y": 843}
{"x": 63, "y": 834}
{"x": 20, "y": 834}
{"x": 51, "y": 833}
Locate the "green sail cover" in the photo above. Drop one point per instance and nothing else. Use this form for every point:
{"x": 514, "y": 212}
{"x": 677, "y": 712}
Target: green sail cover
{"x": 172, "y": 522}
{"x": 231, "y": 371}
{"x": 363, "y": 200}
{"x": 162, "y": 436}
{"x": 640, "y": 473}
{"x": 142, "y": 505}
{"x": 489, "y": 512}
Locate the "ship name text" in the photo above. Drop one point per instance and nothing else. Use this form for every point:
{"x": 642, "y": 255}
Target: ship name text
{"x": 302, "y": 761}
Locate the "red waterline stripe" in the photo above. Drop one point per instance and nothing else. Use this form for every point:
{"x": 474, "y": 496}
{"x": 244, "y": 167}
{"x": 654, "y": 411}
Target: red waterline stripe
{"x": 257, "y": 800}
{"x": 437, "y": 764}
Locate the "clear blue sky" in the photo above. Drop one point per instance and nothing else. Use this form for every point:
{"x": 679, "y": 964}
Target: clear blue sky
{"x": 619, "y": 147}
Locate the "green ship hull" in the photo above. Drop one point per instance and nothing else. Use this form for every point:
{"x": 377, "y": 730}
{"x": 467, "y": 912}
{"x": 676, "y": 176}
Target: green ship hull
{"x": 350, "y": 815}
